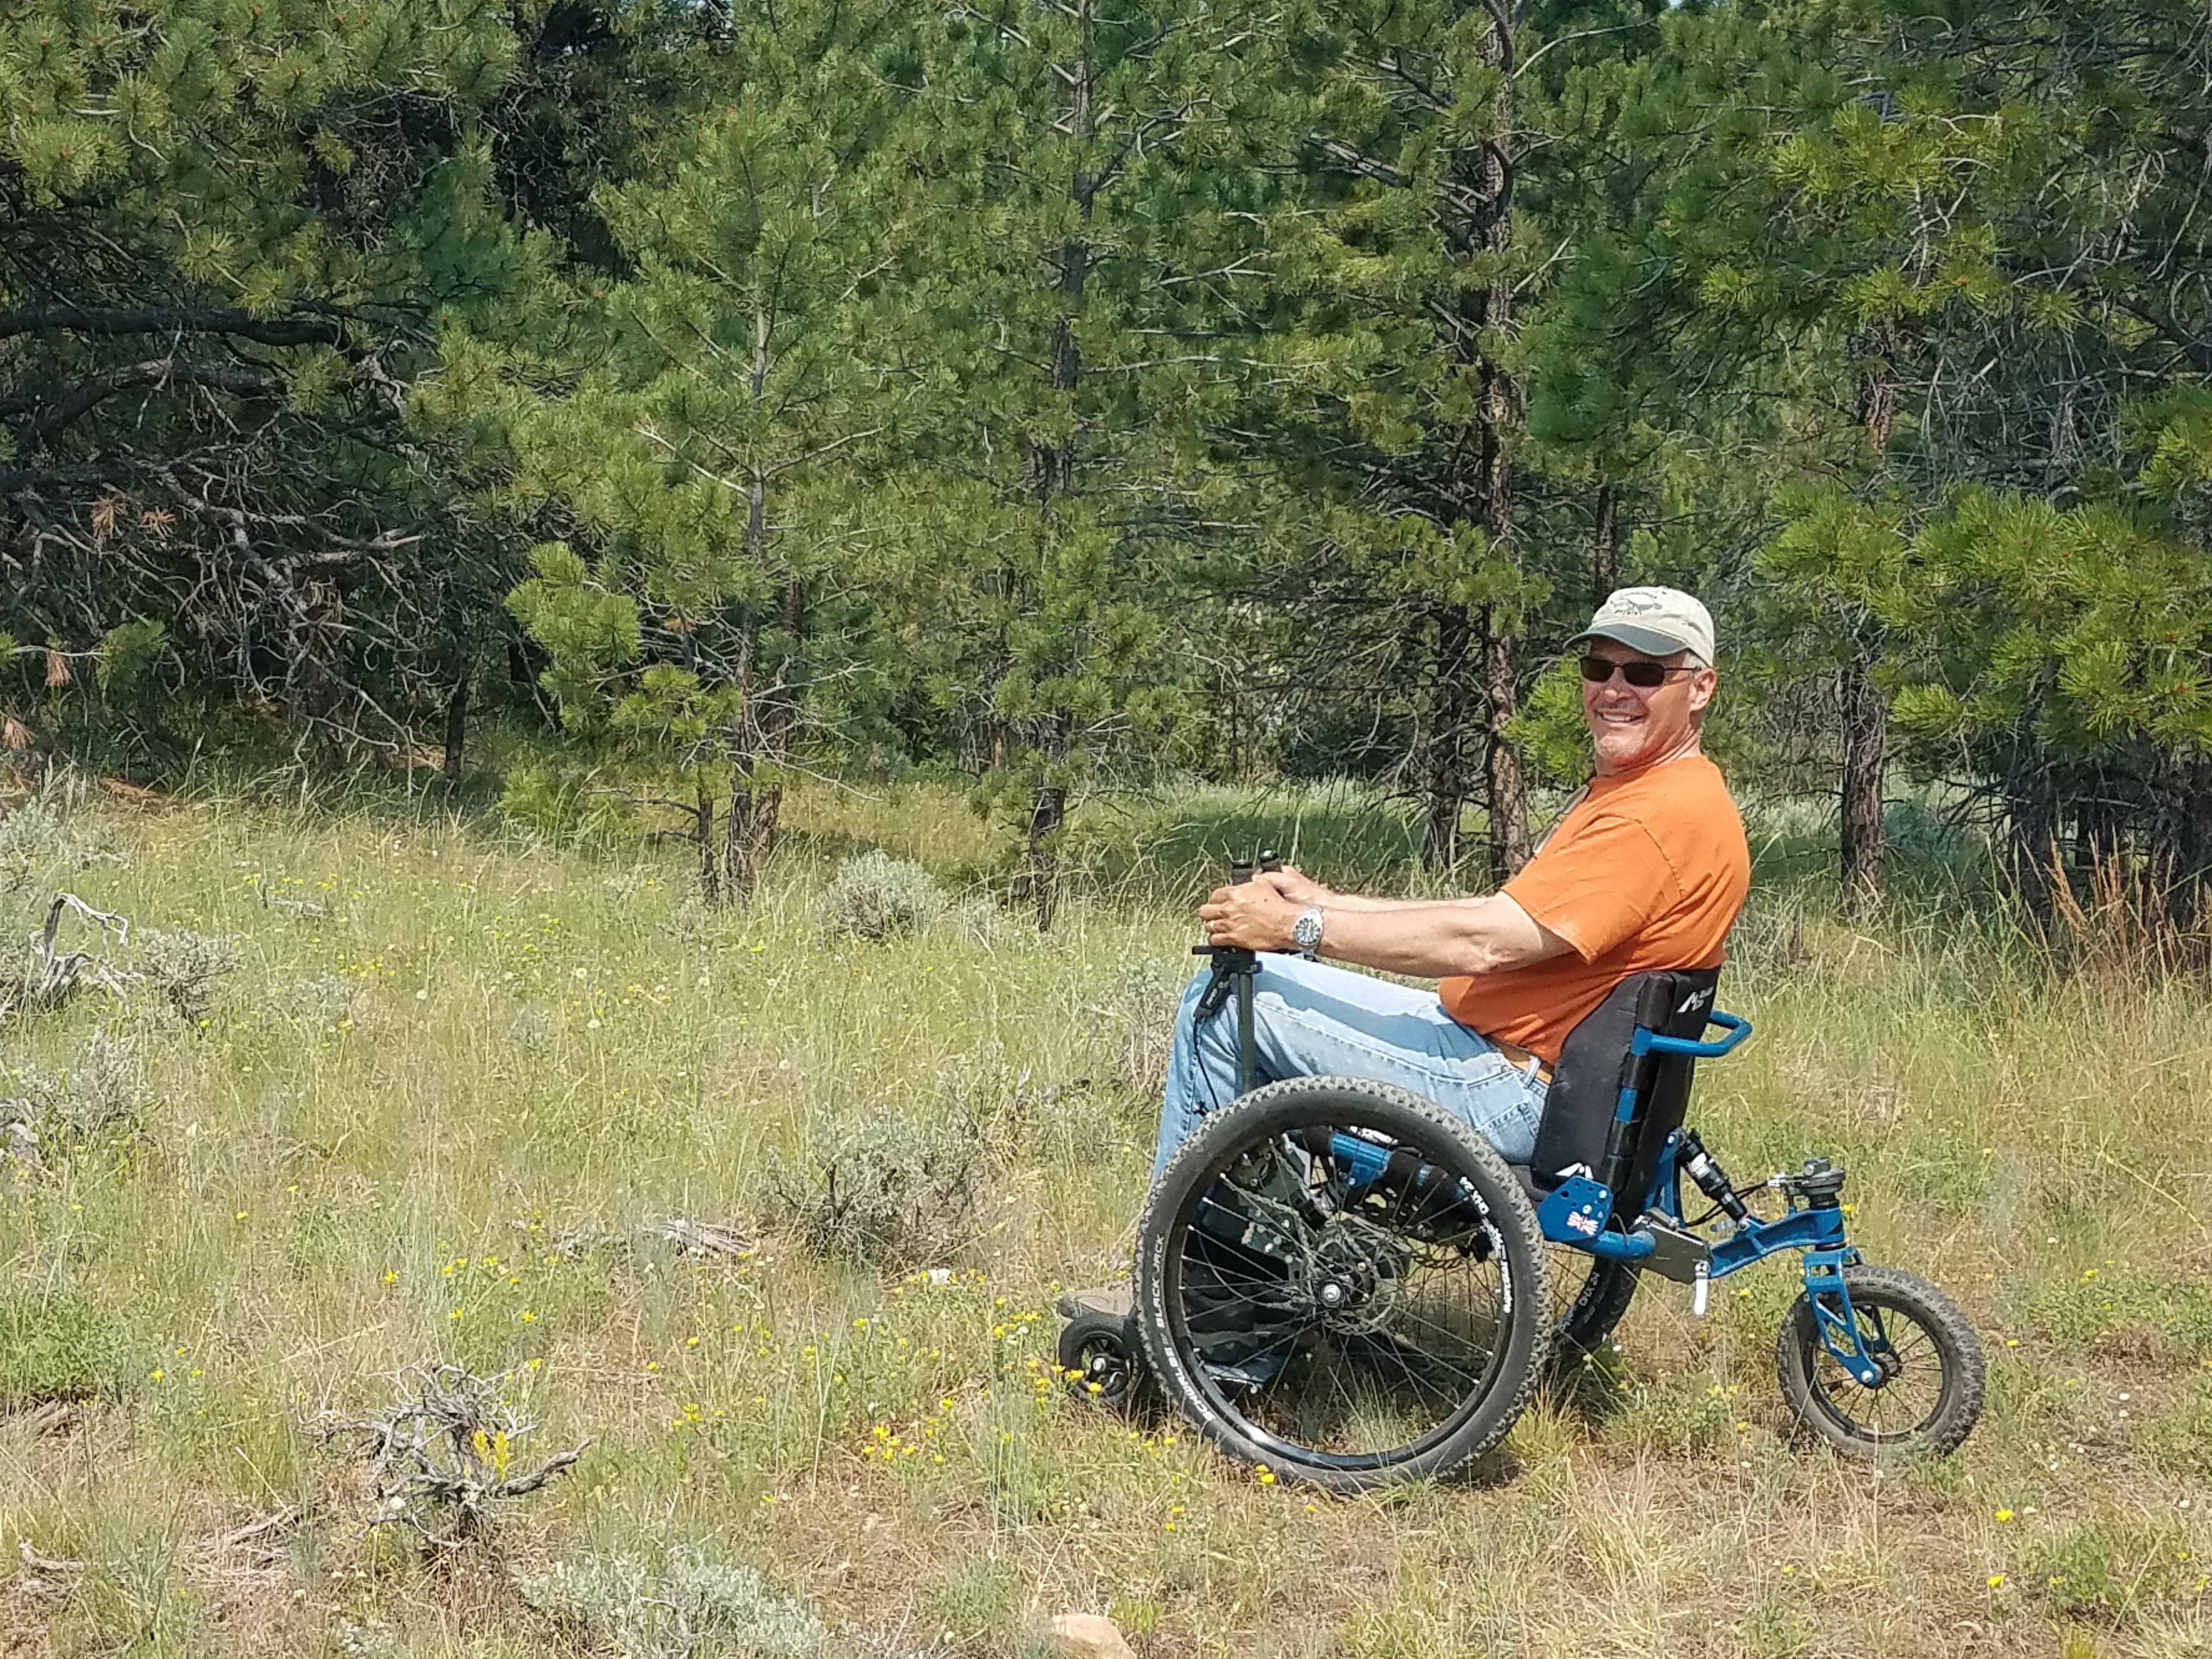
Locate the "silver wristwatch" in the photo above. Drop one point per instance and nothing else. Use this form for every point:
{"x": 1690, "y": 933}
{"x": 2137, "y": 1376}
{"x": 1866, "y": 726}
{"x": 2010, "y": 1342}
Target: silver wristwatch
{"x": 1305, "y": 932}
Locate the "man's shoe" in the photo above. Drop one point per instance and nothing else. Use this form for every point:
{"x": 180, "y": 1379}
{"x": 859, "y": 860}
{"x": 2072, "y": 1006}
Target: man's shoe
{"x": 1113, "y": 1301}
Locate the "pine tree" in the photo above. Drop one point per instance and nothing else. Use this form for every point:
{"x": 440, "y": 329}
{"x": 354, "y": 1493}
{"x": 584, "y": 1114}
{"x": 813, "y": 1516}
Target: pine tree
{"x": 1089, "y": 232}
{"x": 1403, "y": 258}
{"x": 1992, "y": 294}
{"x": 722, "y": 456}
{"x": 228, "y": 241}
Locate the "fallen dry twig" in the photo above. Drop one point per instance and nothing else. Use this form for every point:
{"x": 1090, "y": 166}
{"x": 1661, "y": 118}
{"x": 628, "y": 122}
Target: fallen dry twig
{"x": 443, "y": 1453}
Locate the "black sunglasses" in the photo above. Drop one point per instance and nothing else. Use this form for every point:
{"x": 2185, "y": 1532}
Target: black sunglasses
{"x": 1641, "y": 673}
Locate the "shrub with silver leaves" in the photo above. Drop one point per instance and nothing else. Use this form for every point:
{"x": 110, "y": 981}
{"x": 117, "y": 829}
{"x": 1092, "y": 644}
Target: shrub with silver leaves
{"x": 876, "y": 896}
{"x": 891, "y": 1193}
{"x": 99, "y": 1101}
{"x": 699, "y": 1605}
{"x": 39, "y": 841}
{"x": 322, "y": 1000}
{"x": 186, "y": 968}
{"x": 1134, "y": 1018}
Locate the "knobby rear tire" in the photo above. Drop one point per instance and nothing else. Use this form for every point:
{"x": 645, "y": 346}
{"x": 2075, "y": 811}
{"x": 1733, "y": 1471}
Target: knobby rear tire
{"x": 1258, "y": 1118}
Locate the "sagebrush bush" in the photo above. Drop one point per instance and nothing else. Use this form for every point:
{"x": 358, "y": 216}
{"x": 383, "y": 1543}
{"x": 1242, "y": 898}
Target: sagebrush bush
{"x": 876, "y": 898}
{"x": 321, "y": 999}
{"x": 31, "y": 983}
{"x": 187, "y": 969}
{"x": 40, "y": 841}
{"x": 101, "y": 1098}
{"x": 1012, "y": 1115}
{"x": 699, "y": 1605}
{"x": 893, "y": 1194}
{"x": 1135, "y": 1016}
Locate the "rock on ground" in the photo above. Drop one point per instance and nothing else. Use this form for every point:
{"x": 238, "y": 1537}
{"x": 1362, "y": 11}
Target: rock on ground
{"x": 1088, "y": 1636}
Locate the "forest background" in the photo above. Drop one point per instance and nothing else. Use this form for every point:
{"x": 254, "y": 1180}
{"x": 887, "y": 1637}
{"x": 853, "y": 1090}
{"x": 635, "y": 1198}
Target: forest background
{"x": 1058, "y": 396}
{"x": 882, "y": 501}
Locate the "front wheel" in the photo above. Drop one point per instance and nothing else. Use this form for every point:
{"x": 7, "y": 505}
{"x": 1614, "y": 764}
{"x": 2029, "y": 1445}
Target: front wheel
{"x": 1928, "y": 1394}
{"x": 1338, "y": 1280}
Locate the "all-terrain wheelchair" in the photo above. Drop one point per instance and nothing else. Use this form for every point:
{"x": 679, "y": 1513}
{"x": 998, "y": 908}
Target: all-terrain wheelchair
{"x": 1340, "y": 1281}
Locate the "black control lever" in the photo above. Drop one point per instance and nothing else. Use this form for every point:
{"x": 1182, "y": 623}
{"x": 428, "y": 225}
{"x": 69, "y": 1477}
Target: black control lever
{"x": 1233, "y": 970}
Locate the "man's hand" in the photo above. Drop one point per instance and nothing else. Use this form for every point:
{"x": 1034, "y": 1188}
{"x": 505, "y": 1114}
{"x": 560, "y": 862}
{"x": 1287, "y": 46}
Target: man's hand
{"x": 1253, "y": 913}
{"x": 1294, "y": 884}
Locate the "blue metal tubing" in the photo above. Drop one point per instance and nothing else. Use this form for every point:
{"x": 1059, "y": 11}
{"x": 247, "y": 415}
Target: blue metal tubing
{"x": 1756, "y": 1240}
{"x": 1615, "y": 1247}
{"x": 1799, "y": 1230}
{"x": 1650, "y": 1042}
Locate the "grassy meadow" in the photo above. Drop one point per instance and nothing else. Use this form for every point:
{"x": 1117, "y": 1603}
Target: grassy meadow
{"x": 447, "y": 1102}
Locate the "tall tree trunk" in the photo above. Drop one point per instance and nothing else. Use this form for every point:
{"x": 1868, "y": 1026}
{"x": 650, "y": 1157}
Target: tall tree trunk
{"x": 702, "y": 829}
{"x": 1047, "y": 812}
{"x": 1865, "y": 715}
{"x": 1866, "y": 742}
{"x": 756, "y": 809}
{"x": 1501, "y": 425}
{"x": 2184, "y": 841}
{"x": 1451, "y": 711}
{"x": 766, "y": 715}
{"x": 1476, "y": 692}
{"x": 1508, "y": 801}
{"x": 2032, "y": 823}
{"x": 1055, "y": 461}
{"x": 770, "y": 722}
{"x": 460, "y": 669}
{"x": 1604, "y": 557}
{"x": 457, "y": 722}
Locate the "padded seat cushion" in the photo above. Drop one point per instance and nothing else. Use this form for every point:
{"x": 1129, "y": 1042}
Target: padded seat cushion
{"x": 1586, "y": 1083}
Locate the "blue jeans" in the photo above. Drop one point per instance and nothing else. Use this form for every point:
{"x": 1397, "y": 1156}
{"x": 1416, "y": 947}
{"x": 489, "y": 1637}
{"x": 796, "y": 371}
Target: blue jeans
{"x": 1312, "y": 1019}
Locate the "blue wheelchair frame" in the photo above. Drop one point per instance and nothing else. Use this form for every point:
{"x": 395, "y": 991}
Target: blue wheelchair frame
{"x": 1579, "y": 1213}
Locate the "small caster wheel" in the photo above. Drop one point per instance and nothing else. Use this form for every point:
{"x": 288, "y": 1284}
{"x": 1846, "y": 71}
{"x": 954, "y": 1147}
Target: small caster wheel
{"x": 1100, "y": 1359}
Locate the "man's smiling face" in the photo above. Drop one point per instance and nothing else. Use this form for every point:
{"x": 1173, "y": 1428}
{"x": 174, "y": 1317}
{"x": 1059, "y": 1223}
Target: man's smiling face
{"x": 1631, "y": 727}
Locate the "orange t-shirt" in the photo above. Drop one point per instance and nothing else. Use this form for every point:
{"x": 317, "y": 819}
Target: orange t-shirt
{"x": 1647, "y": 872}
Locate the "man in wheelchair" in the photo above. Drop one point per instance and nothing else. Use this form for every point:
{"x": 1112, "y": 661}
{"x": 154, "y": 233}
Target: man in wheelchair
{"x": 1648, "y": 870}
{"x": 1338, "y": 1276}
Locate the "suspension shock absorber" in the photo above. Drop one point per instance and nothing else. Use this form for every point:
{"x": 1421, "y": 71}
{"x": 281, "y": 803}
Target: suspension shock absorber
{"x": 1712, "y": 1180}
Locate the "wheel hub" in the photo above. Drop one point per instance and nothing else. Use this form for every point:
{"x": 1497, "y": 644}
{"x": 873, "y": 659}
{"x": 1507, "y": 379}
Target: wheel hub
{"x": 1353, "y": 1274}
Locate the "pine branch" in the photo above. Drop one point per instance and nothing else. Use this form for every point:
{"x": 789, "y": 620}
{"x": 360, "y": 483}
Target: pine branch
{"x": 266, "y": 331}
{"x": 155, "y": 372}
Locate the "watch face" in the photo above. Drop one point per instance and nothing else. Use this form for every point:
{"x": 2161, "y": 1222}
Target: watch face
{"x": 1305, "y": 932}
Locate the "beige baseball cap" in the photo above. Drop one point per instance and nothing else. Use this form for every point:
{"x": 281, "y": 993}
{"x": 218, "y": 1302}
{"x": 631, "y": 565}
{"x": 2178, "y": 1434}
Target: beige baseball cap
{"x": 1656, "y": 621}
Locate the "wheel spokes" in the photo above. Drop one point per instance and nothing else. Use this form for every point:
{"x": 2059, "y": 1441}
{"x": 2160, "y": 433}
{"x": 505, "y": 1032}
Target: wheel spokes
{"x": 1910, "y": 1394}
{"x": 1380, "y": 1314}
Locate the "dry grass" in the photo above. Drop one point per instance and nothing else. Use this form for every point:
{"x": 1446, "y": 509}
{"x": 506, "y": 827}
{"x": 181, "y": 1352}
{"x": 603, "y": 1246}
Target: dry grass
{"x": 534, "y": 1059}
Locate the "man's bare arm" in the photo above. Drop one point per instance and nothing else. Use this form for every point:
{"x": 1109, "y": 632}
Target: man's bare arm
{"x": 1303, "y": 889}
{"x": 1484, "y": 935}
{"x": 1430, "y": 940}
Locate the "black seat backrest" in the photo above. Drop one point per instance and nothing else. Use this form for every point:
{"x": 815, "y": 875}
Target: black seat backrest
{"x": 1595, "y": 1063}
